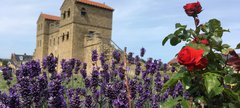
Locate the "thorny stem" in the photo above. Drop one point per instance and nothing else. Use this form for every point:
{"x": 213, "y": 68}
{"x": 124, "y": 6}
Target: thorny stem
{"x": 126, "y": 79}
{"x": 195, "y": 18}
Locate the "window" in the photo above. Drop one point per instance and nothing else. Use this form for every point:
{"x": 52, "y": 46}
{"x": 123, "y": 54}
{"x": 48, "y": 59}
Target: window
{"x": 69, "y": 12}
{"x": 67, "y": 35}
{"x": 53, "y": 41}
{"x": 64, "y": 15}
{"x": 63, "y": 37}
{"x": 83, "y": 12}
{"x": 90, "y": 34}
{"x": 50, "y": 42}
{"x": 58, "y": 41}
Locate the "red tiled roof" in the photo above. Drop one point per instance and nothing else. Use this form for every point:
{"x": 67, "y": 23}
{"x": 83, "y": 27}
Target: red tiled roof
{"x": 50, "y": 17}
{"x": 89, "y": 2}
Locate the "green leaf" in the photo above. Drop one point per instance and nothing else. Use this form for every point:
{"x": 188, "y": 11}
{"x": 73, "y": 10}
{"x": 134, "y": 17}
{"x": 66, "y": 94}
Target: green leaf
{"x": 174, "y": 41}
{"x": 185, "y": 103}
{"x": 229, "y": 79}
{"x": 238, "y": 46}
{"x": 214, "y": 23}
{"x": 170, "y": 103}
{"x": 226, "y": 46}
{"x": 212, "y": 84}
{"x": 216, "y": 40}
{"x": 173, "y": 80}
{"x": 186, "y": 80}
{"x": 225, "y": 51}
{"x": 197, "y": 30}
{"x": 192, "y": 32}
{"x": 205, "y": 28}
{"x": 178, "y": 25}
{"x": 177, "y": 32}
{"x": 232, "y": 95}
{"x": 166, "y": 38}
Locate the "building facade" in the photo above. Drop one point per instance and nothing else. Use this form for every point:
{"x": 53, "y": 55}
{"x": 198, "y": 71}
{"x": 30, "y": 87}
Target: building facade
{"x": 83, "y": 26}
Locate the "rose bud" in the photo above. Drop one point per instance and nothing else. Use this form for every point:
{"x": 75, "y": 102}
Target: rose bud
{"x": 192, "y": 9}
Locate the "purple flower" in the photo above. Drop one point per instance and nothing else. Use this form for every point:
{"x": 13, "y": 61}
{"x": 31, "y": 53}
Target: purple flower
{"x": 165, "y": 95}
{"x": 158, "y": 82}
{"x": 133, "y": 87}
{"x": 77, "y": 66}
{"x": 14, "y": 101}
{"x": 83, "y": 73}
{"x": 102, "y": 58}
{"x": 4, "y": 100}
{"x": 142, "y": 52}
{"x": 130, "y": 58}
{"x": 50, "y": 63}
{"x": 117, "y": 56}
{"x": 25, "y": 90}
{"x": 88, "y": 101}
{"x": 94, "y": 55}
{"x": 173, "y": 69}
{"x": 110, "y": 92}
{"x": 178, "y": 90}
{"x": 56, "y": 94}
{"x": 84, "y": 65}
{"x": 7, "y": 74}
{"x": 154, "y": 102}
{"x": 30, "y": 69}
{"x": 95, "y": 78}
{"x": 186, "y": 95}
{"x": 166, "y": 78}
{"x": 96, "y": 96}
{"x": 87, "y": 82}
{"x": 121, "y": 72}
{"x": 138, "y": 70}
{"x": 74, "y": 98}
{"x": 68, "y": 67}
{"x": 122, "y": 100}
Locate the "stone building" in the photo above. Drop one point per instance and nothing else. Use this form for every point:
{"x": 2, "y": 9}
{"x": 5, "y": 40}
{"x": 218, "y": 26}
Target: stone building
{"x": 18, "y": 59}
{"x": 83, "y": 26}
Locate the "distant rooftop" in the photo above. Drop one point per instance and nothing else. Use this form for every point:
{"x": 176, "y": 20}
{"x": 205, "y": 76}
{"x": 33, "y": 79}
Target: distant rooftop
{"x": 93, "y": 3}
{"x": 50, "y": 17}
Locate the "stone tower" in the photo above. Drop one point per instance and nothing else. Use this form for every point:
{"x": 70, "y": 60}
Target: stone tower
{"x": 84, "y": 25}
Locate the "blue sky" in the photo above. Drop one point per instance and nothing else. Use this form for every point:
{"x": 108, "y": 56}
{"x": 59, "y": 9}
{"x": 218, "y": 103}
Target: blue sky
{"x": 136, "y": 23}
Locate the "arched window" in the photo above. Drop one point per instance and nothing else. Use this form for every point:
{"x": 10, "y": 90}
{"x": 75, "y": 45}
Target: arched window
{"x": 53, "y": 41}
{"x": 69, "y": 12}
{"x": 58, "y": 41}
{"x": 67, "y": 35}
{"x": 83, "y": 12}
{"x": 50, "y": 42}
{"x": 63, "y": 37}
{"x": 64, "y": 14}
{"x": 90, "y": 34}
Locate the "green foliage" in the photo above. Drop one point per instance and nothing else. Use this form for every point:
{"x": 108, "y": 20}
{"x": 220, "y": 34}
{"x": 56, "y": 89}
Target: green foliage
{"x": 174, "y": 79}
{"x": 238, "y": 46}
{"x": 216, "y": 82}
{"x": 170, "y": 103}
{"x": 175, "y": 40}
{"x": 212, "y": 84}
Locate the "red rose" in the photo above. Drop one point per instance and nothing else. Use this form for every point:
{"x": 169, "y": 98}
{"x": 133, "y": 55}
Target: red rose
{"x": 192, "y": 58}
{"x": 192, "y": 9}
{"x": 202, "y": 64}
